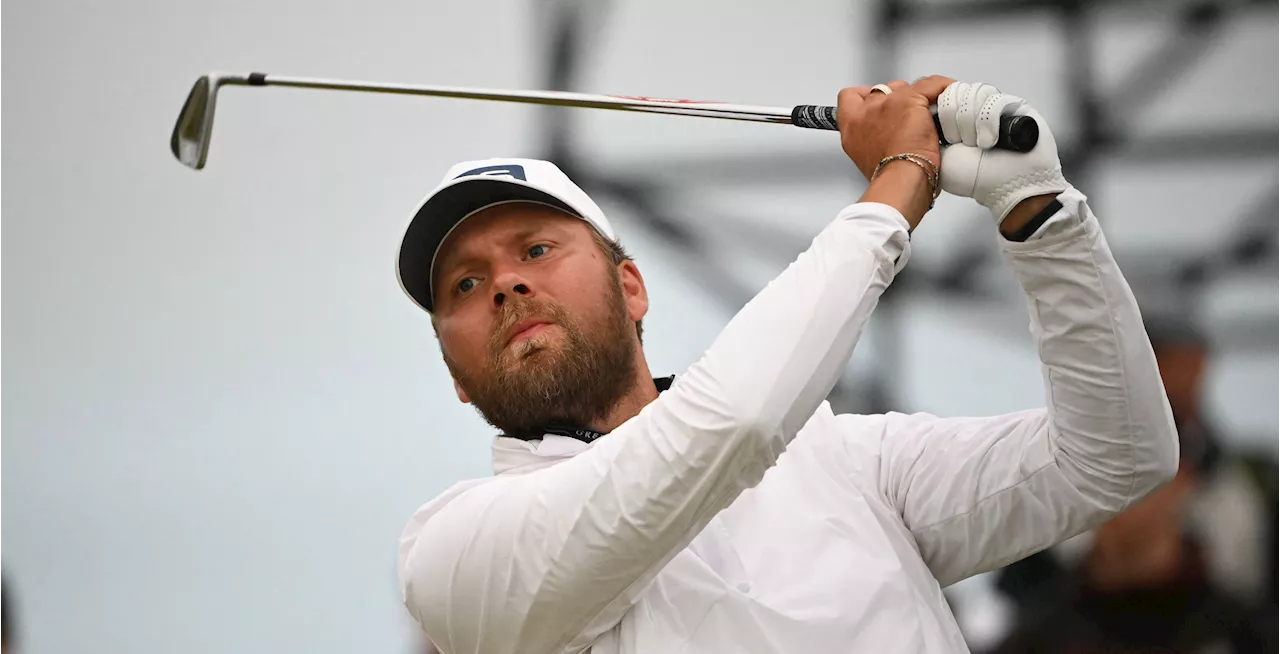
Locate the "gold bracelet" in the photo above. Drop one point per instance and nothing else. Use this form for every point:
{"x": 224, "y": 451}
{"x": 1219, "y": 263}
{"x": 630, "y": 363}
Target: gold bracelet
{"x": 930, "y": 170}
{"x": 931, "y": 173}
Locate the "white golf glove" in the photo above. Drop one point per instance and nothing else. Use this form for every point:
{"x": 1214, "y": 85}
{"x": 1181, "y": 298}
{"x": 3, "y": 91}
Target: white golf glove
{"x": 996, "y": 179}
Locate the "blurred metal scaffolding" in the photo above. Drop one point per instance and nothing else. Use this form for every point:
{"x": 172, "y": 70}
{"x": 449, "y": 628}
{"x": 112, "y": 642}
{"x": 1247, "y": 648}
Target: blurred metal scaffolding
{"x": 1103, "y": 129}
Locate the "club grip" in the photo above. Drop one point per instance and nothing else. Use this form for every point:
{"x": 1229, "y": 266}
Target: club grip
{"x": 1017, "y": 133}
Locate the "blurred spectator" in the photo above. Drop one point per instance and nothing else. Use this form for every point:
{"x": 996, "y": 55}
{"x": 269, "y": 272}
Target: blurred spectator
{"x": 1192, "y": 568}
{"x": 1143, "y": 586}
{"x": 1233, "y": 510}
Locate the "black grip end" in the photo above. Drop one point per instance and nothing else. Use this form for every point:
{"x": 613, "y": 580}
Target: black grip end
{"x": 257, "y": 79}
{"x": 1017, "y": 133}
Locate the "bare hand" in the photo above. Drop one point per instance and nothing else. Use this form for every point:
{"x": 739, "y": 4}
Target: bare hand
{"x": 874, "y": 125}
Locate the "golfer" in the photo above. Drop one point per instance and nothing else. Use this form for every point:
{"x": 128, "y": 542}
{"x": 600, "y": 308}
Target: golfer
{"x": 728, "y": 509}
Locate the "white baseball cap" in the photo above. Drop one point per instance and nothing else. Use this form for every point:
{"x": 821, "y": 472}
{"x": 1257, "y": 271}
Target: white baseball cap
{"x": 471, "y": 186}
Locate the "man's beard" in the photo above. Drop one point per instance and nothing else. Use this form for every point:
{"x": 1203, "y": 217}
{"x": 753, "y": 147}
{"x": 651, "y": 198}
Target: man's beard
{"x": 537, "y": 383}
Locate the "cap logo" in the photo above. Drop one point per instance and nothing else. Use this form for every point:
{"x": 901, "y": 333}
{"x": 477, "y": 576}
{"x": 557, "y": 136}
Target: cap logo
{"x": 509, "y": 170}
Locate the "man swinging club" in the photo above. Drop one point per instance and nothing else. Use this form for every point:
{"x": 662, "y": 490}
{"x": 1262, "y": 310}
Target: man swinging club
{"x": 728, "y": 509}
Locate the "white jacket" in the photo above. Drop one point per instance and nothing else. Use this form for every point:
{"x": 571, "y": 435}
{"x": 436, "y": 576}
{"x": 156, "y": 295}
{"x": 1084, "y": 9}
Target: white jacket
{"x": 737, "y": 513}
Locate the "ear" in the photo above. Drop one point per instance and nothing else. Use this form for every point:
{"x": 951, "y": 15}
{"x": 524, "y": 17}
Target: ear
{"x": 462, "y": 394}
{"x": 633, "y": 290}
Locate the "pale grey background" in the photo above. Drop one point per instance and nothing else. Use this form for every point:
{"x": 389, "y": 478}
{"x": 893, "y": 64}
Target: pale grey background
{"x": 221, "y": 410}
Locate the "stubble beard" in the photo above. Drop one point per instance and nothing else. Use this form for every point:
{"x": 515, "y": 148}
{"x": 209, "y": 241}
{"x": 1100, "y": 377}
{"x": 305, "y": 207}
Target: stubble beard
{"x": 543, "y": 381}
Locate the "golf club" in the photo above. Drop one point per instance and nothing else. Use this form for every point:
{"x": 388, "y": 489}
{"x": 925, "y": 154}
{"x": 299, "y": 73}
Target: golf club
{"x": 194, "y": 128}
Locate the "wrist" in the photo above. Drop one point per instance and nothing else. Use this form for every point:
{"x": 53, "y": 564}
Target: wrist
{"x": 905, "y": 186}
{"x": 1023, "y": 212}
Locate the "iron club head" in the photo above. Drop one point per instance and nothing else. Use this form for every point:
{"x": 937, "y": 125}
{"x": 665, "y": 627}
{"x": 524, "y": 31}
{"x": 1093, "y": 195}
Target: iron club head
{"x": 191, "y": 134}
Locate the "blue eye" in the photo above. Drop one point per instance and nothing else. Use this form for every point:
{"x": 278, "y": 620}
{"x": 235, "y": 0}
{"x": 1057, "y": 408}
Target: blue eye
{"x": 466, "y": 284}
{"x": 536, "y": 251}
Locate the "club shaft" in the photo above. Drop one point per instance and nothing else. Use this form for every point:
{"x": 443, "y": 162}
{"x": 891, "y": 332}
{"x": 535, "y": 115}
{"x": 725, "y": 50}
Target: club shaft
{"x": 191, "y": 134}
{"x": 557, "y": 98}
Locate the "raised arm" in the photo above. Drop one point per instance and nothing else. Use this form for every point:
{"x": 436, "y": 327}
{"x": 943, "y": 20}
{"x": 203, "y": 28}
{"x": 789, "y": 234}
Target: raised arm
{"x": 980, "y": 493}
{"x": 545, "y": 562}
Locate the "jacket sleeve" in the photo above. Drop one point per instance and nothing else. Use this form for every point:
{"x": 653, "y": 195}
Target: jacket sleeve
{"x": 980, "y": 493}
{"x": 545, "y": 562}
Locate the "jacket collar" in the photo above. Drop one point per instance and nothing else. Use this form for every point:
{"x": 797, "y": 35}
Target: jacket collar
{"x": 512, "y": 455}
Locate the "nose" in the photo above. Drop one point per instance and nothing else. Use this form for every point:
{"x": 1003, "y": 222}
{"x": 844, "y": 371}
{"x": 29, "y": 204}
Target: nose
{"x": 508, "y": 284}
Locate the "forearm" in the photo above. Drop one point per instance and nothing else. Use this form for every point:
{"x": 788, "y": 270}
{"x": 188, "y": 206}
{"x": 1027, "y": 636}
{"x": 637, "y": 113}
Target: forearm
{"x": 980, "y": 493}
{"x": 1108, "y": 414}
{"x": 546, "y": 560}
{"x": 779, "y": 357}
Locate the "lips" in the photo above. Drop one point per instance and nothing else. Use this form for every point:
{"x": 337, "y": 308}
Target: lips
{"x": 526, "y": 328}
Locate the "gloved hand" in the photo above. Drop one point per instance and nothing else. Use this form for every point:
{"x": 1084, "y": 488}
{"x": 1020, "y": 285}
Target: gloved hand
{"x": 996, "y": 179}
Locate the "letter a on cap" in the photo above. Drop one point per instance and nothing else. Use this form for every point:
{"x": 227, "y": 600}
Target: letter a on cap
{"x": 510, "y": 170}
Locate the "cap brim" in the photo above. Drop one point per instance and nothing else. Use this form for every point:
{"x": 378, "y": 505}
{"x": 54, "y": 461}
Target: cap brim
{"x": 441, "y": 213}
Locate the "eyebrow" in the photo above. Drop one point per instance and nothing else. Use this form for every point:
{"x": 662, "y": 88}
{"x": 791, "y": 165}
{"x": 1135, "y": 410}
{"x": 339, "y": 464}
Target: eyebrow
{"x": 446, "y": 264}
